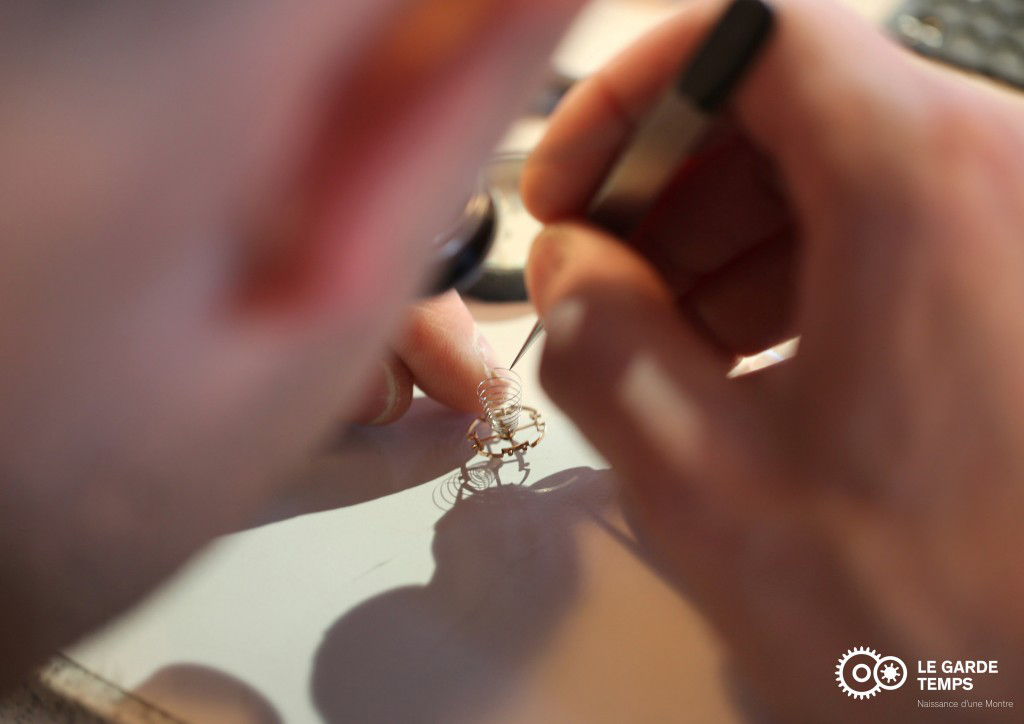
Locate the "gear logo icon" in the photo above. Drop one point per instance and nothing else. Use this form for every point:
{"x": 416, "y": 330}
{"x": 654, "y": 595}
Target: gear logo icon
{"x": 890, "y": 673}
{"x": 862, "y": 672}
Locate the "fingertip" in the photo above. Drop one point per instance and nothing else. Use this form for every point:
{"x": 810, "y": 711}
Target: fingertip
{"x": 569, "y": 257}
{"x": 566, "y": 328}
{"x": 584, "y": 136}
{"x": 643, "y": 391}
{"x": 538, "y": 186}
{"x": 613, "y": 327}
{"x": 446, "y": 352}
{"x": 595, "y": 119}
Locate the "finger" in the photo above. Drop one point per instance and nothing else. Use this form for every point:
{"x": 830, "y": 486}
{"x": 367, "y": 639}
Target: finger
{"x": 445, "y": 351}
{"x": 725, "y": 201}
{"x": 642, "y": 386}
{"x": 388, "y": 394}
{"x": 593, "y": 122}
{"x": 748, "y": 306}
{"x": 812, "y": 102}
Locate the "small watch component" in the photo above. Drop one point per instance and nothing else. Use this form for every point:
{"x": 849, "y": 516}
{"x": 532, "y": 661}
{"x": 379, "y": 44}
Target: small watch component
{"x": 501, "y": 396}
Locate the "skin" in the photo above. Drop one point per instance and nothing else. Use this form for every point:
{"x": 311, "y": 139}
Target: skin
{"x": 869, "y": 491}
{"x": 214, "y": 219}
{"x": 203, "y": 270}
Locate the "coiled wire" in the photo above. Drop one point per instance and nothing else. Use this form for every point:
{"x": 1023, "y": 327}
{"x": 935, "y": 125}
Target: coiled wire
{"x": 501, "y": 396}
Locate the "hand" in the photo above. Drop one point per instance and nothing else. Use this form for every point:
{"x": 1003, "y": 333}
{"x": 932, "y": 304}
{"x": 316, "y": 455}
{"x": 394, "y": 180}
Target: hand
{"x": 442, "y": 351}
{"x": 868, "y": 492}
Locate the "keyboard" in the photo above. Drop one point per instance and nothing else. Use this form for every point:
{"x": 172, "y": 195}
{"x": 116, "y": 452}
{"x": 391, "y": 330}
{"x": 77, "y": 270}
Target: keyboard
{"x": 983, "y": 36}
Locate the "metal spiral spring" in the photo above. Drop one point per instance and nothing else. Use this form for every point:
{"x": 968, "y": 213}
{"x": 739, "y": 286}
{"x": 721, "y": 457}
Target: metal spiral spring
{"x": 501, "y": 396}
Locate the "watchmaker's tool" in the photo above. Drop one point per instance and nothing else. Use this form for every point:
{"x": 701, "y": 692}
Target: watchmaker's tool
{"x": 534, "y": 335}
{"x": 501, "y": 396}
{"x": 675, "y": 125}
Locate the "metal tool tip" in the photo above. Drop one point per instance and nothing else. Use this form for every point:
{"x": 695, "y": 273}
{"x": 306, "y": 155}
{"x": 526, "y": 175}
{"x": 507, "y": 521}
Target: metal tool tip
{"x": 534, "y": 335}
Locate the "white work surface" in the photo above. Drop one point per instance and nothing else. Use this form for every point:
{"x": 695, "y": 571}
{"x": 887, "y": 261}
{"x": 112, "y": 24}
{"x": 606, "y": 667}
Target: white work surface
{"x": 398, "y": 602}
{"x": 525, "y": 602}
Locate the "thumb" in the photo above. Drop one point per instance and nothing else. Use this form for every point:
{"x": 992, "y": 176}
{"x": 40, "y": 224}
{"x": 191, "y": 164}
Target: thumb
{"x": 646, "y": 390}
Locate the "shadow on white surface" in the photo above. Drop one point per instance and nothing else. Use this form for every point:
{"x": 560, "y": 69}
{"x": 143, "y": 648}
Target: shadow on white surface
{"x": 371, "y": 462}
{"x": 507, "y": 571}
{"x": 481, "y": 475}
{"x": 197, "y": 693}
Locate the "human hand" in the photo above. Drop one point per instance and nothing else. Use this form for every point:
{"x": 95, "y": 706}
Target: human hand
{"x": 441, "y": 350}
{"x": 868, "y": 492}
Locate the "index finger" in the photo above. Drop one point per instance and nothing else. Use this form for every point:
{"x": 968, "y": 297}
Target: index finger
{"x": 826, "y": 89}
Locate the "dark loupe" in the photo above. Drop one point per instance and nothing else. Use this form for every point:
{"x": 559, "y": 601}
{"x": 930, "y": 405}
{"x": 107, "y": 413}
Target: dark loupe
{"x": 484, "y": 252}
{"x": 460, "y": 250}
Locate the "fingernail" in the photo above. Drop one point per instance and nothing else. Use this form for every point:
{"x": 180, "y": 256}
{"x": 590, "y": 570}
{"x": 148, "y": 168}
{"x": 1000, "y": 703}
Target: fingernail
{"x": 547, "y": 256}
{"x": 564, "y": 322}
{"x": 380, "y": 404}
{"x": 484, "y": 352}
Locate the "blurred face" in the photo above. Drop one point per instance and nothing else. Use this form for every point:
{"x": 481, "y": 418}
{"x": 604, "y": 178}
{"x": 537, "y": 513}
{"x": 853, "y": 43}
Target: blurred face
{"x": 211, "y": 220}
